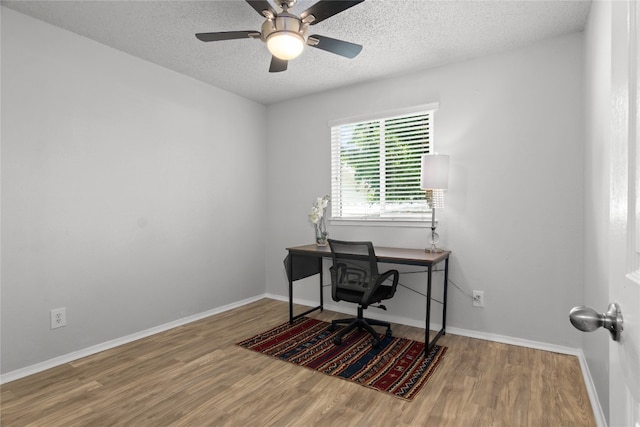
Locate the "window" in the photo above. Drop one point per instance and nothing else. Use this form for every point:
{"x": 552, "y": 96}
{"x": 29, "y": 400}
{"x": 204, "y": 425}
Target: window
{"x": 375, "y": 166}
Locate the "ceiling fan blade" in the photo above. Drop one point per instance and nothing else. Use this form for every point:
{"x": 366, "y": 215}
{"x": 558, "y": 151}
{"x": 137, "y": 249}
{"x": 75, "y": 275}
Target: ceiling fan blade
{"x": 327, "y": 8}
{"x": 339, "y": 47}
{"x": 260, "y": 5}
{"x": 278, "y": 65}
{"x": 226, "y": 35}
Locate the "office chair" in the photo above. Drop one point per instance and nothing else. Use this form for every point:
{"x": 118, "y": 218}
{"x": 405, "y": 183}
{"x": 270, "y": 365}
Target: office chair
{"x": 355, "y": 278}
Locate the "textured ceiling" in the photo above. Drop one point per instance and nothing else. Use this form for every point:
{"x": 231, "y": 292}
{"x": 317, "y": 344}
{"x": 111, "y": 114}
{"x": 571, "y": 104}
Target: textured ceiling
{"x": 398, "y": 36}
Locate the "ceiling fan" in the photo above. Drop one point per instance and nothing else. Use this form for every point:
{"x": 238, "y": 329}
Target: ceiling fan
{"x": 286, "y": 34}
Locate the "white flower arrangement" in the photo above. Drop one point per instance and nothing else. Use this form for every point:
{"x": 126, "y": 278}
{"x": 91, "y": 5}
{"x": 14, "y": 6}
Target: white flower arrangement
{"x": 316, "y": 216}
{"x": 318, "y": 209}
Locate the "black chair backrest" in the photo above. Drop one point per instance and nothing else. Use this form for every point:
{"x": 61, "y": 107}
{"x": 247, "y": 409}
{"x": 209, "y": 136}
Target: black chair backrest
{"x": 354, "y": 264}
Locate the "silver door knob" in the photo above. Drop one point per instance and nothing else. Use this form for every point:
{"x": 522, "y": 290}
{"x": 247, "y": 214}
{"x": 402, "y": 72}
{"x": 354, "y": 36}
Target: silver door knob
{"x": 587, "y": 319}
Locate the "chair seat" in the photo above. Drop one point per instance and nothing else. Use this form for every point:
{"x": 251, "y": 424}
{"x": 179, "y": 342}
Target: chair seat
{"x": 348, "y": 295}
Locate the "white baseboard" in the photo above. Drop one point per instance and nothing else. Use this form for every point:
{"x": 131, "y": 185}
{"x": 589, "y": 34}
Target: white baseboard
{"x": 42, "y": 366}
{"x": 70, "y": 357}
{"x": 598, "y": 413}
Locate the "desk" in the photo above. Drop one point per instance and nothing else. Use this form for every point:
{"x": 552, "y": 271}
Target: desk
{"x": 305, "y": 261}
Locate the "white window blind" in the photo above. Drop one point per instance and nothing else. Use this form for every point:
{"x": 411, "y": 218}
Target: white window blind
{"x": 375, "y": 166}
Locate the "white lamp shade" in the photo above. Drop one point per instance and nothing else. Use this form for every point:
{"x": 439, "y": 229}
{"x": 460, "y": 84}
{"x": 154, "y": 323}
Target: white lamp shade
{"x": 435, "y": 172}
{"x": 285, "y": 44}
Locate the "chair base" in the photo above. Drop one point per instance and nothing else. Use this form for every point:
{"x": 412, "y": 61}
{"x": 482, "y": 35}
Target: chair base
{"x": 360, "y": 322}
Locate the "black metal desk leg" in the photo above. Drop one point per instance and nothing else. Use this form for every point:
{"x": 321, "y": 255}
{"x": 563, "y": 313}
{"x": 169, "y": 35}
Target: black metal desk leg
{"x": 291, "y": 288}
{"x": 304, "y": 269}
{"x": 444, "y": 298}
{"x": 321, "y": 282}
{"x": 430, "y": 344}
{"x": 428, "y": 317}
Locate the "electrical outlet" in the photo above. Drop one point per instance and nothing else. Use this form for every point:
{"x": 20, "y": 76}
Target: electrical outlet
{"x": 478, "y": 298}
{"x": 58, "y": 318}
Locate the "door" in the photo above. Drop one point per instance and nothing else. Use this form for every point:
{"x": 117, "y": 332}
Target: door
{"x": 624, "y": 216}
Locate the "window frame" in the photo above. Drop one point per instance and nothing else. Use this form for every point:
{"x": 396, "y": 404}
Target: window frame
{"x": 422, "y": 219}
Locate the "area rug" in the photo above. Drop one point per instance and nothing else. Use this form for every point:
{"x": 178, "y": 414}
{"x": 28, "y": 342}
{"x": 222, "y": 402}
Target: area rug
{"x": 398, "y": 366}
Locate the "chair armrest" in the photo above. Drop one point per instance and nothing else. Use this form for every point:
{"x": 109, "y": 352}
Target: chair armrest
{"x": 381, "y": 279}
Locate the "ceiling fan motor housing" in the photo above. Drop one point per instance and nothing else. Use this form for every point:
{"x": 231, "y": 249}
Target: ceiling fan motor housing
{"x": 284, "y": 22}
{"x": 285, "y": 35}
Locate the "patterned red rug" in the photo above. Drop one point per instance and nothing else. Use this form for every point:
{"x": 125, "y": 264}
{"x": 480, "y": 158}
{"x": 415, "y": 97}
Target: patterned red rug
{"x": 398, "y": 366}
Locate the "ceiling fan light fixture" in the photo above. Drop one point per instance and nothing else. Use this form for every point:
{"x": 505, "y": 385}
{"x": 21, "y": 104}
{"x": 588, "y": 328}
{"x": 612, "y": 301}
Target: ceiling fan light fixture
{"x": 285, "y": 45}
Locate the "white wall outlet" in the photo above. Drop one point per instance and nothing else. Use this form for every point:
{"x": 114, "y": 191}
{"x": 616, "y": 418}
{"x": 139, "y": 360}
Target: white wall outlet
{"x": 58, "y": 318}
{"x": 478, "y": 298}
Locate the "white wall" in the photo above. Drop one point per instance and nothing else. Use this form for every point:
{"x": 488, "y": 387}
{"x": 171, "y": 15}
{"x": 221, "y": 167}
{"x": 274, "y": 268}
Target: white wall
{"x": 513, "y": 125}
{"x": 116, "y": 190}
{"x": 121, "y": 193}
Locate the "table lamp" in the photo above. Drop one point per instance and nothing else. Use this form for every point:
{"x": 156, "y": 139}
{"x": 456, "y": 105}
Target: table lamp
{"x": 434, "y": 178}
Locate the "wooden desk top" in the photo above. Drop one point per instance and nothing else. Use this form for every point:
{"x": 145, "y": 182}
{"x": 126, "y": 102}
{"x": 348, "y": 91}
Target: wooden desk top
{"x": 384, "y": 254}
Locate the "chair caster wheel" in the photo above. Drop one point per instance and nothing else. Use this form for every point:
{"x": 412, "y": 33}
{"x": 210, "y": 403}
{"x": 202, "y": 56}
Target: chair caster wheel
{"x": 389, "y": 333}
{"x": 375, "y": 343}
{"x": 337, "y": 340}
{"x": 332, "y": 327}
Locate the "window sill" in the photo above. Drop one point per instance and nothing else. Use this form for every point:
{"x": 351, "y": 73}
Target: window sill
{"x": 378, "y": 222}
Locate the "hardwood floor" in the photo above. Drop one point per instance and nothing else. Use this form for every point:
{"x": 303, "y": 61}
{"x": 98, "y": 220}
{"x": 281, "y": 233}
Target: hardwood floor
{"x": 195, "y": 375}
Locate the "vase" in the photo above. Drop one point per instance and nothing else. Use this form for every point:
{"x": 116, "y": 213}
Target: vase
{"x": 321, "y": 241}
{"x": 321, "y": 233}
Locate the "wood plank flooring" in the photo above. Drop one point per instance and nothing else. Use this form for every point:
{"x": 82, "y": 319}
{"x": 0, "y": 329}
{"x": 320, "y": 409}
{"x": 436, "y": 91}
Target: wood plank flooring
{"x": 195, "y": 375}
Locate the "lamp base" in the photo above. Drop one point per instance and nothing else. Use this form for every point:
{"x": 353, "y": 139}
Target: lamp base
{"x": 435, "y": 238}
